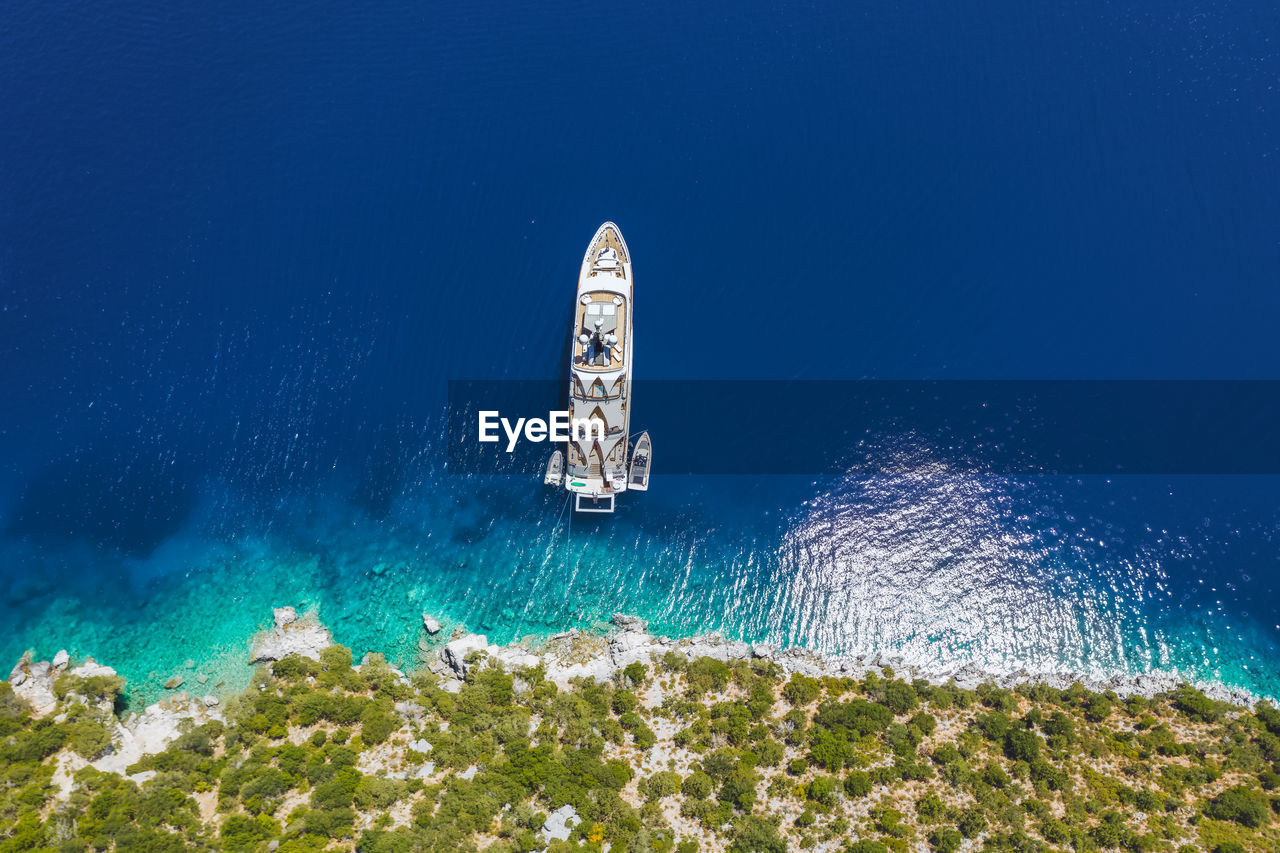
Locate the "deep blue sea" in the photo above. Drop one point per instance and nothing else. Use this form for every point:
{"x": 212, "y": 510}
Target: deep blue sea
{"x": 243, "y": 248}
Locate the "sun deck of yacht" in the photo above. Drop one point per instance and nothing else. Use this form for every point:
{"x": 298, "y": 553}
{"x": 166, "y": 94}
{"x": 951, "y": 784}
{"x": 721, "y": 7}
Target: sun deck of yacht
{"x": 606, "y": 313}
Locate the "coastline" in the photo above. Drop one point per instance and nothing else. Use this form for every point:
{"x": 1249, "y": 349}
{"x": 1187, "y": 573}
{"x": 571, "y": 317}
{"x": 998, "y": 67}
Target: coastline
{"x": 598, "y": 654}
{"x": 630, "y": 736}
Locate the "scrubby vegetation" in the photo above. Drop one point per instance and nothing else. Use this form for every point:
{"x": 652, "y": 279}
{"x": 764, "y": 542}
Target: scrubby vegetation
{"x": 676, "y": 756}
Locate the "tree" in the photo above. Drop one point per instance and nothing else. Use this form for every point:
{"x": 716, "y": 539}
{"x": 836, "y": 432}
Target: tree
{"x": 900, "y": 697}
{"x": 697, "y": 786}
{"x": 945, "y": 840}
{"x": 1240, "y": 804}
{"x": 1022, "y": 745}
{"x": 739, "y": 788}
{"x": 857, "y": 783}
{"x": 664, "y": 783}
{"x": 757, "y": 835}
{"x": 822, "y": 790}
{"x": 801, "y": 690}
{"x": 635, "y": 672}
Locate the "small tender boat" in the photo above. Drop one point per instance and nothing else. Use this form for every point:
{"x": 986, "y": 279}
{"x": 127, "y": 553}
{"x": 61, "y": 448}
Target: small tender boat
{"x": 639, "y": 479}
{"x": 596, "y": 465}
{"x": 555, "y": 470}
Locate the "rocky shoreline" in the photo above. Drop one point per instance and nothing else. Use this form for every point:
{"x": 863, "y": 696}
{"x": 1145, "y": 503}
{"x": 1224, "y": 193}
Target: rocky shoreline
{"x": 565, "y": 656}
{"x": 576, "y": 654}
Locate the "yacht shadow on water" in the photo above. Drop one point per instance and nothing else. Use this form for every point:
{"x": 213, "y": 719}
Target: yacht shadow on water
{"x": 128, "y": 502}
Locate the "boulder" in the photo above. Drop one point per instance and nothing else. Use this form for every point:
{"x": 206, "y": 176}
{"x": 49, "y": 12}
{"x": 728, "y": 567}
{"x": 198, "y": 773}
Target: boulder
{"x": 210, "y": 701}
{"x": 33, "y": 683}
{"x": 432, "y": 626}
{"x": 630, "y": 646}
{"x": 514, "y": 657}
{"x": 61, "y": 659}
{"x": 763, "y": 650}
{"x": 90, "y": 669}
{"x": 559, "y": 823}
{"x": 291, "y": 636}
{"x": 174, "y": 683}
{"x": 456, "y": 651}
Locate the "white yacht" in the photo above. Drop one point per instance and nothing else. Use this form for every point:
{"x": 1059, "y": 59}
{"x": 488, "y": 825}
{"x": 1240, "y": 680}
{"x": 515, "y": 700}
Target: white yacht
{"x": 596, "y": 469}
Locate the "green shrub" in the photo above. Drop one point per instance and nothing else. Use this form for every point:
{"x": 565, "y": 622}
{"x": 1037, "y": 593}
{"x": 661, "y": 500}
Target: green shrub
{"x": 822, "y": 790}
{"x": 1240, "y": 804}
{"x": 769, "y": 752}
{"x": 88, "y": 738}
{"x": 972, "y": 823}
{"x": 1022, "y": 745}
{"x": 867, "y": 846}
{"x": 664, "y": 783}
{"x": 377, "y": 724}
{"x": 293, "y": 667}
{"x": 930, "y": 808}
{"x": 801, "y": 690}
{"x": 857, "y": 784}
{"x": 635, "y": 672}
{"x": 1196, "y": 705}
{"x": 739, "y": 788}
{"x": 706, "y": 675}
{"x": 697, "y": 786}
{"x": 757, "y": 835}
{"x": 926, "y": 723}
{"x": 945, "y": 840}
{"x": 900, "y": 697}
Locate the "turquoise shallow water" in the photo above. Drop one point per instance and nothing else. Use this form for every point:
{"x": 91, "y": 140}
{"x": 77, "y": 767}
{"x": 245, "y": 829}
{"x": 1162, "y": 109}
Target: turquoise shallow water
{"x": 919, "y": 560}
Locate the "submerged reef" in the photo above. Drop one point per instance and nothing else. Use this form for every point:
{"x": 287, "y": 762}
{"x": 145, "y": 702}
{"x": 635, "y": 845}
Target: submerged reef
{"x": 623, "y": 741}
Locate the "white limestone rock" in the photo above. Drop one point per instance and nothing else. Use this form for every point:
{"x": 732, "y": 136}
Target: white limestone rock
{"x": 559, "y": 823}
{"x": 455, "y": 652}
{"x": 763, "y": 650}
{"x": 152, "y": 731}
{"x": 630, "y": 646}
{"x": 562, "y": 672}
{"x": 469, "y": 773}
{"x": 33, "y": 683}
{"x": 304, "y": 637}
{"x": 432, "y": 626}
{"x": 61, "y": 660}
{"x": 90, "y": 669}
{"x": 514, "y": 657}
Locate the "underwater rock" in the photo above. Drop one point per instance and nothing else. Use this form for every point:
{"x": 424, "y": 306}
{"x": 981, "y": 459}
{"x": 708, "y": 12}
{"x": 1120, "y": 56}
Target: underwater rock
{"x": 630, "y": 623}
{"x": 174, "y": 683}
{"x": 304, "y": 637}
